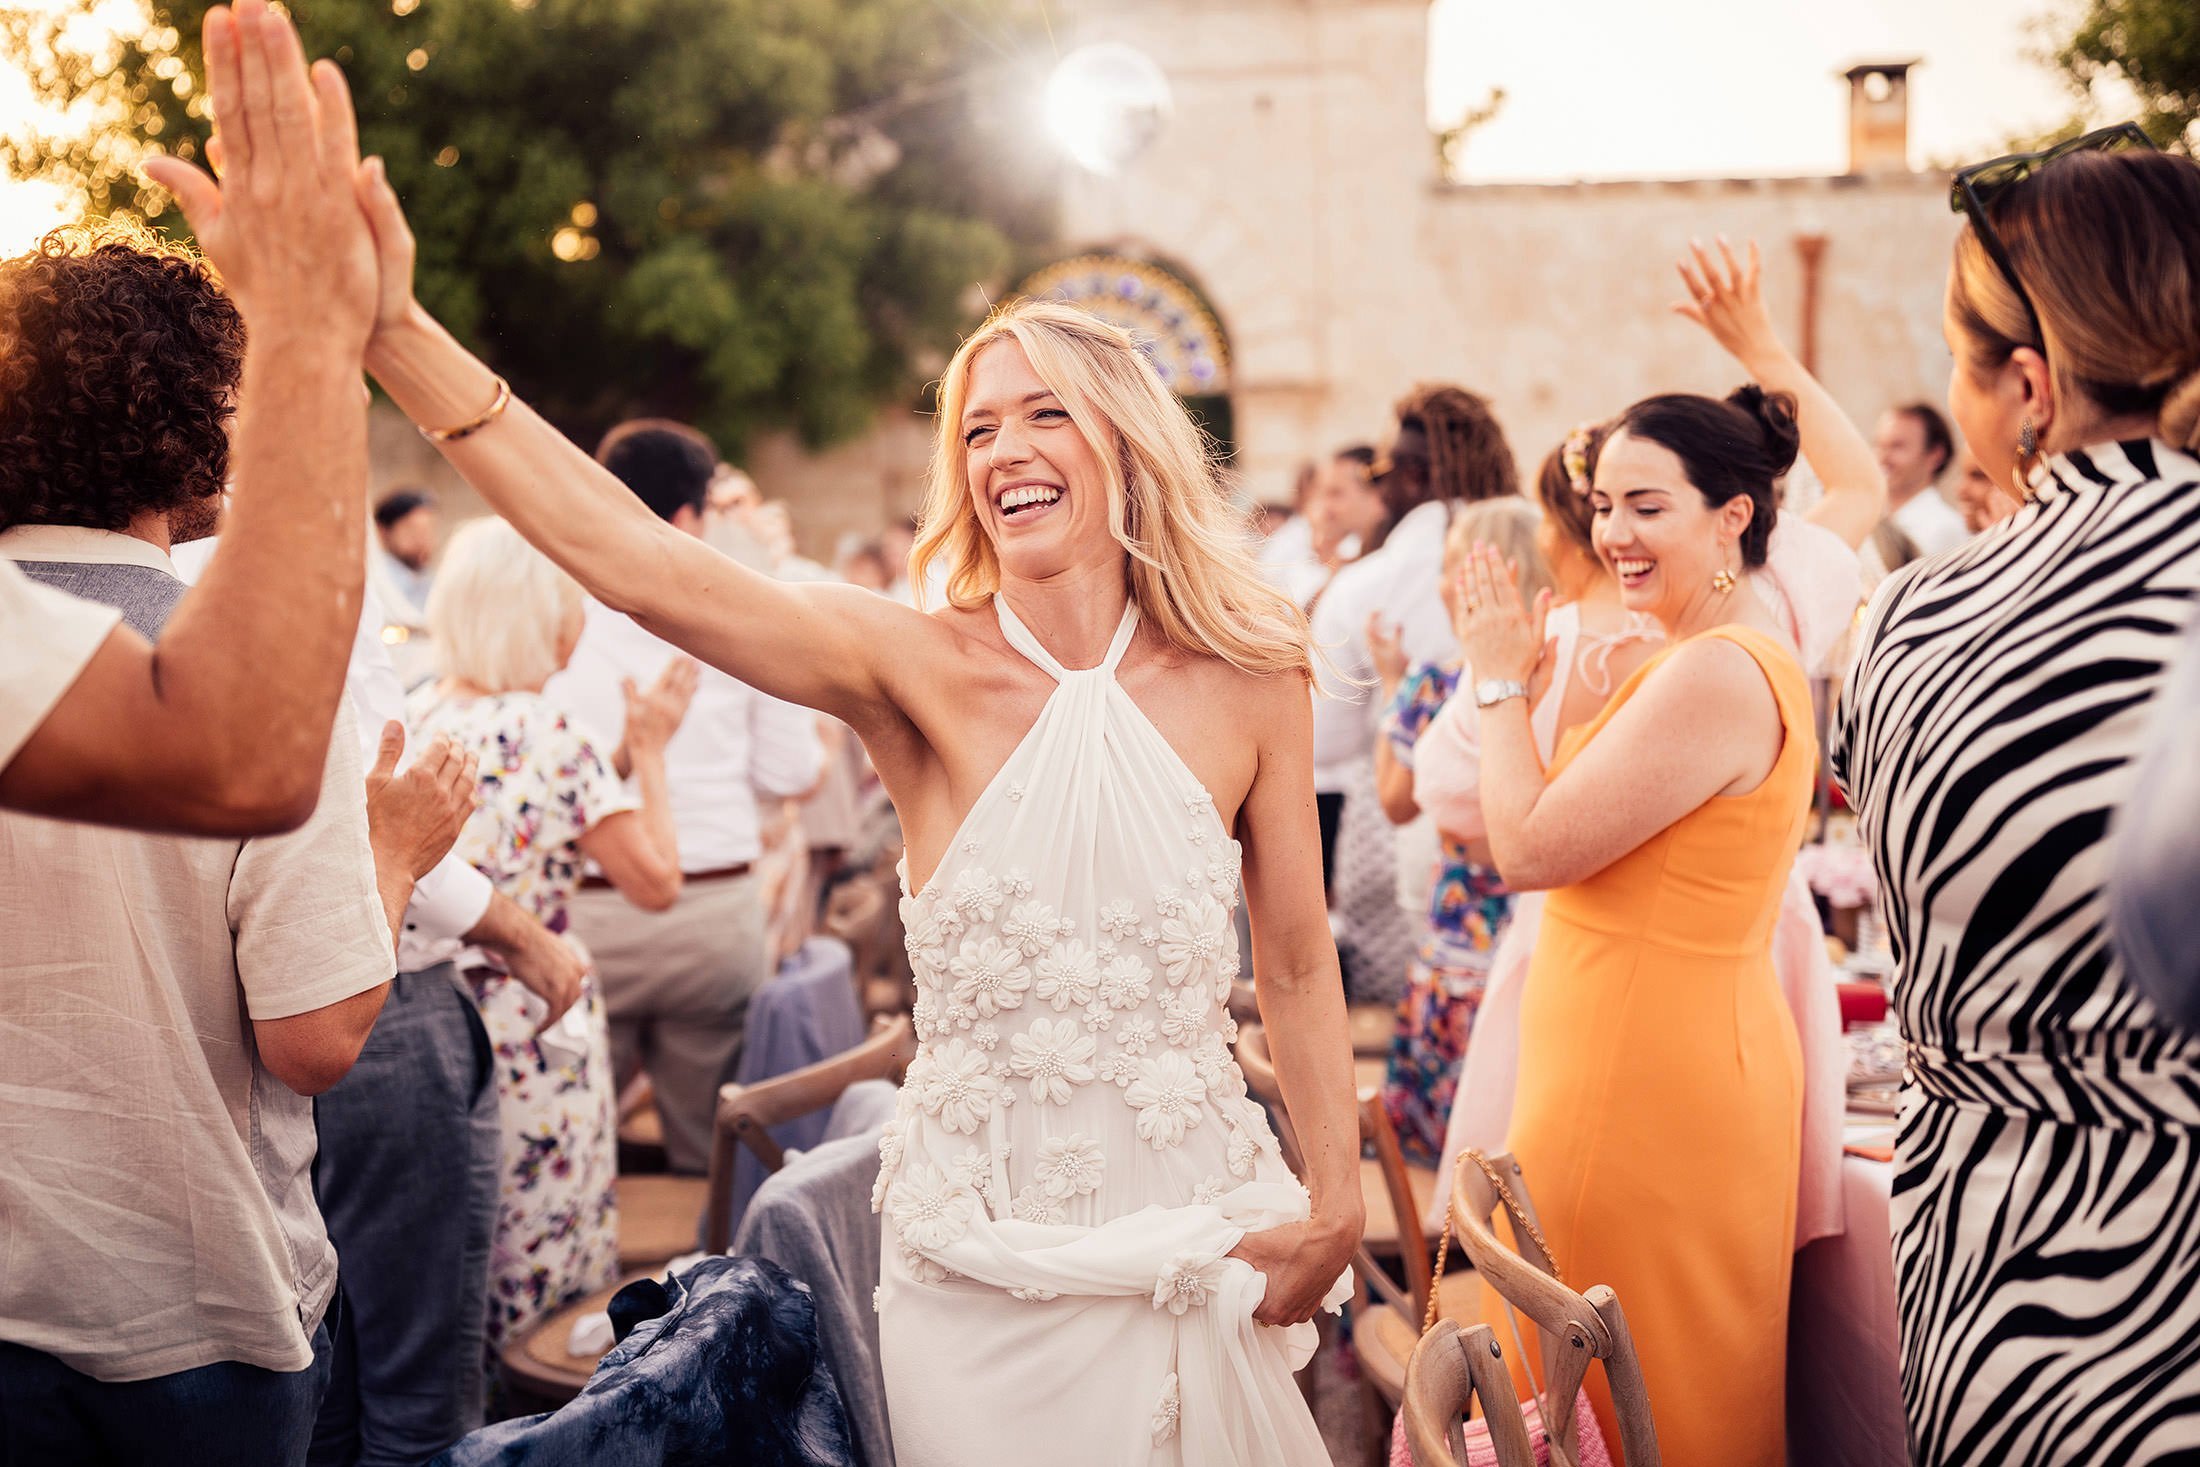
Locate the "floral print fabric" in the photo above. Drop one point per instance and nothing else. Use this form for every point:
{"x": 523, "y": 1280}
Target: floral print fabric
{"x": 1468, "y": 910}
{"x": 543, "y": 784}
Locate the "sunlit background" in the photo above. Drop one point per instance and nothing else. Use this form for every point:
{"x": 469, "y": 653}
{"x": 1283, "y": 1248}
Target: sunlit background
{"x": 1618, "y": 88}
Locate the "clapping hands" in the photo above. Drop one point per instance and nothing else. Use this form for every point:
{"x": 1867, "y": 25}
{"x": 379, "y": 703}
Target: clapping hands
{"x": 653, "y": 717}
{"x": 1499, "y": 634}
{"x": 414, "y": 818}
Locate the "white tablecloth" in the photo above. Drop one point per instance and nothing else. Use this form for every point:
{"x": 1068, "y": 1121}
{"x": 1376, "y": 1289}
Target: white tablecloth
{"x": 1844, "y": 1345}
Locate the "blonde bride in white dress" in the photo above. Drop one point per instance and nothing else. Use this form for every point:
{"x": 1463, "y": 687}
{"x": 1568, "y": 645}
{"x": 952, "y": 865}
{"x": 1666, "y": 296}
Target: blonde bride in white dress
{"x": 1093, "y": 1253}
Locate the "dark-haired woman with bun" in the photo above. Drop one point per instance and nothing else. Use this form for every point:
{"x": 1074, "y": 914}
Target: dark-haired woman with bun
{"x": 1659, "y": 1104}
{"x": 2047, "y": 1170}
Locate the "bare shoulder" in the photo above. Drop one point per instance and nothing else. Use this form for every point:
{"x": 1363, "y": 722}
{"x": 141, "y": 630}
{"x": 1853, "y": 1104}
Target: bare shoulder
{"x": 1708, "y": 681}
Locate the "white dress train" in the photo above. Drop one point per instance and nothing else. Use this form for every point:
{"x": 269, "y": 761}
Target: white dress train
{"x": 1075, "y": 1152}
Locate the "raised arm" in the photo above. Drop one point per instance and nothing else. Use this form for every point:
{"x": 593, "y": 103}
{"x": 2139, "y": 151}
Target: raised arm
{"x": 824, "y": 646}
{"x": 1302, "y": 1009}
{"x": 223, "y": 727}
{"x": 1726, "y": 299}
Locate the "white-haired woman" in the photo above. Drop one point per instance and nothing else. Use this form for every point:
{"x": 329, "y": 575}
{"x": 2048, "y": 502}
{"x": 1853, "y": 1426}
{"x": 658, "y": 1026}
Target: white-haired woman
{"x": 1093, "y": 1250}
{"x": 503, "y": 619}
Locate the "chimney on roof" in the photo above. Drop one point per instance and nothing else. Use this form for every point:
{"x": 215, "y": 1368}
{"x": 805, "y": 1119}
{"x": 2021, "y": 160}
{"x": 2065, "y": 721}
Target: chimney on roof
{"x": 1879, "y": 116}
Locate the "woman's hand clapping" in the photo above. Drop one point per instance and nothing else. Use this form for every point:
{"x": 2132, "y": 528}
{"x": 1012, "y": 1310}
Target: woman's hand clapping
{"x": 653, "y": 717}
{"x": 1501, "y": 636}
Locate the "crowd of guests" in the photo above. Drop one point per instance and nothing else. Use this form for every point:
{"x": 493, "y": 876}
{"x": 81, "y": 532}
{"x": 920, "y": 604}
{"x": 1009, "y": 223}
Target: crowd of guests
{"x": 319, "y": 988}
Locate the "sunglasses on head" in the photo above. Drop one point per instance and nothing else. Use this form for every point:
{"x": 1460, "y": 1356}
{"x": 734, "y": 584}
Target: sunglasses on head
{"x": 1976, "y": 187}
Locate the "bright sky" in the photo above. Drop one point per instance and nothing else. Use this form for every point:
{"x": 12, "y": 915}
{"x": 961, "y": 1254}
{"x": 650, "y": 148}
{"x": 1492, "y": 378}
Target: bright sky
{"x": 1739, "y": 88}
{"x": 1626, "y": 88}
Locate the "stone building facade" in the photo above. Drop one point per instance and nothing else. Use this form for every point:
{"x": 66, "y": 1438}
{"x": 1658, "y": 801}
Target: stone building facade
{"x": 1297, "y": 186}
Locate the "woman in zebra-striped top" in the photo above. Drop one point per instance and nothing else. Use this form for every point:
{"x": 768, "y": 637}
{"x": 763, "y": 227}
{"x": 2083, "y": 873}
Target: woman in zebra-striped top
{"x": 2047, "y": 1187}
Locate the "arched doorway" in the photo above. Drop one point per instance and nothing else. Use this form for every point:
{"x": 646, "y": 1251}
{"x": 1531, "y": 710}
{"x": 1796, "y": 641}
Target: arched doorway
{"x": 1166, "y": 314}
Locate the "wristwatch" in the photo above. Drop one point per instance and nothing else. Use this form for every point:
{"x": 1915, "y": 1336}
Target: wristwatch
{"x": 1494, "y": 690}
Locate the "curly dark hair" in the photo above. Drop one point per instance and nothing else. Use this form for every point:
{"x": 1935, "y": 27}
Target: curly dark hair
{"x": 119, "y": 363}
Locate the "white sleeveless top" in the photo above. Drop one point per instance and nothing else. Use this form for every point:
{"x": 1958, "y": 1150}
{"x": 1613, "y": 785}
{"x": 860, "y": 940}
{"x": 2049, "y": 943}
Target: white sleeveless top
{"x": 1075, "y": 1134}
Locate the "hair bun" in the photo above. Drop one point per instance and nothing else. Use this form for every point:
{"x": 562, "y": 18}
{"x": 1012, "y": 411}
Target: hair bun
{"x": 1774, "y": 413}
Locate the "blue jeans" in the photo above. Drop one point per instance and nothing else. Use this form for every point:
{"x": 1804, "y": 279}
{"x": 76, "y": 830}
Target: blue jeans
{"x": 407, "y": 1181}
{"x": 221, "y": 1415}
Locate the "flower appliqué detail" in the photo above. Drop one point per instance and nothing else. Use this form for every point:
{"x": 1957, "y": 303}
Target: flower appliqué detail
{"x": 956, "y": 1086}
{"x": 1166, "y": 1095}
{"x": 1181, "y": 1287}
{"x": 1167, "y": 1411}
{"x": 929, "y": 1210}
{"x": 1055, "y": 1057}
{"x": 989, "y": 975}
{"x": 1069, "y": 1166}
{"x": 1069, "y": 976}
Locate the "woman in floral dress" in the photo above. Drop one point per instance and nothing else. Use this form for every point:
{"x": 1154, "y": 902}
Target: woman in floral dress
{"x": 504, "y": 619}
{"x": 1467, "y": 903}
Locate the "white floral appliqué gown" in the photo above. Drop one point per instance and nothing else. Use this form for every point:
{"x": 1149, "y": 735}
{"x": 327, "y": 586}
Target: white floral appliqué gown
{"x": 1075, "y": 1152}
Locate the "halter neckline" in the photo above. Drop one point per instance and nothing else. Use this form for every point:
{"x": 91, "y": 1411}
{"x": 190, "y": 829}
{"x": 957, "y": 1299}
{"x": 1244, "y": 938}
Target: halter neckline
{"x": 1025, "y": 641}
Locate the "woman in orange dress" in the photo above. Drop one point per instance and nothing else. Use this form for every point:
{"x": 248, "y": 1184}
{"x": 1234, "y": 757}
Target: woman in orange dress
{"x": 1659, "y": 1107}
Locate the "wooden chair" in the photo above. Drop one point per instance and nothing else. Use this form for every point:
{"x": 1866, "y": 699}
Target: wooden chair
{"x": 1452, "y": 1368}
{"x": 538, "y": 1365}
{"x": 1576, "y": 1328}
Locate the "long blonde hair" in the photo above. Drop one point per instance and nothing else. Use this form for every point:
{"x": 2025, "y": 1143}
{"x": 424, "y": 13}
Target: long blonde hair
{"x": 1192, "y": 572}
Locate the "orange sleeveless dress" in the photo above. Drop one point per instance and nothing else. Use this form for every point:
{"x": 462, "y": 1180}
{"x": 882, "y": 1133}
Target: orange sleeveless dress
{"x": 1659, "y": 1111}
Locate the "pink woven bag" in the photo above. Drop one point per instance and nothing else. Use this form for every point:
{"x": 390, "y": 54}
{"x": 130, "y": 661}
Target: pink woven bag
{"x": 1588, "y": 1438}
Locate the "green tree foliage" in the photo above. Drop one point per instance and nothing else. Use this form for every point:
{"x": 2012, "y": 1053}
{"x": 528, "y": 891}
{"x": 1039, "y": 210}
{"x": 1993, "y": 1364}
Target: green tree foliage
{"x": 2153, "y": 46}
{"x": 746, "y": 213}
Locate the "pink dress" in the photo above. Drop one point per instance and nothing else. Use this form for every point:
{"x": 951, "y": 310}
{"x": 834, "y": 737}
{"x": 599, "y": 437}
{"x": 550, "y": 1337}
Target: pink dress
{"x": 1813, "y": 583}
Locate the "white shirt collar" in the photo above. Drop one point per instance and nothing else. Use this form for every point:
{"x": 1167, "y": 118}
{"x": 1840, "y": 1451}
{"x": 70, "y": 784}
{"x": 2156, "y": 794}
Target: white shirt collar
{"x": 82, "y": 545}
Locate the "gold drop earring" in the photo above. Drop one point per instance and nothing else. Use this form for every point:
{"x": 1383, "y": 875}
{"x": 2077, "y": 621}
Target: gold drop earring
{"x": 1723, "y": 582}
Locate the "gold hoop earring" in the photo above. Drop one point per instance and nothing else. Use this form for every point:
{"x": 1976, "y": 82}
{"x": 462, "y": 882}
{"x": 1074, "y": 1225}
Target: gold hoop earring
{"x": 1723, "y": 582}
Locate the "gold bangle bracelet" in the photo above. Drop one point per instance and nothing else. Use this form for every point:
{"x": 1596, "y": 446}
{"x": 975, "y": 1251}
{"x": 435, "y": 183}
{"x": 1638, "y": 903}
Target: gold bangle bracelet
{"x": 464, "y": 430}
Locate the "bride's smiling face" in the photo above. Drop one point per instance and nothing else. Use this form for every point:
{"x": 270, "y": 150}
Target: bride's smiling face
{"x": 1036, "y": 485}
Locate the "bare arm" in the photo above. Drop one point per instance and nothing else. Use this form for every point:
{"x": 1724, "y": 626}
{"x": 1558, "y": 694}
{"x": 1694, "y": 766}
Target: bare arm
{"x": 638, "y": 849}
{"x": 224, "y": 727}
{"x": 823, "y": 646}
{"x": 1394, "y": 784}
{"x": 311, "y": 1051}
{"x": 1726, "y": 300}
{"x": 542, "y": 961}
{"x": 1301, "y": 1006}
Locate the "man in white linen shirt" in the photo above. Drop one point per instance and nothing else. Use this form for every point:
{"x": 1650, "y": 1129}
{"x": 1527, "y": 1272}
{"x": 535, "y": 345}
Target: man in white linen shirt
{"x": 677, "y": 983}
{"x": 1448, "y": 449}
{"x": 1915, "y": 447}
{"x": 170, "y": 1003}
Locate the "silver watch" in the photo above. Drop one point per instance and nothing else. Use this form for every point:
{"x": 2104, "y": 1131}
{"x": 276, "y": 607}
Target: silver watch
{"x": 1493, "y": 690}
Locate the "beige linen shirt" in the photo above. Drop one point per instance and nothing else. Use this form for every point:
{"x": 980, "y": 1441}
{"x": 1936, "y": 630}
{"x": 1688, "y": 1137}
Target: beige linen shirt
{"x": 46, "y": 638}
{"x": 156, "y": 1196}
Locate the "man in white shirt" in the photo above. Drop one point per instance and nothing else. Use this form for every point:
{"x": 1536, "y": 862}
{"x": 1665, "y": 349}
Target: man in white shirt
{"x": 171, "y": 1003}
{"x": 1448, "y": 449}
{"x": 677, "y": 983}
{"x": 407, "y": 1172}
{"x": 1915, "y": 449}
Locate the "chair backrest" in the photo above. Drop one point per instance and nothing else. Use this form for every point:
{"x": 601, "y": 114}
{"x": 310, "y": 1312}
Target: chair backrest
{"x": 1575, "y": 1328}
{"x": 1377, "y": 1133}
{"x": 746, "y": 1113}
{"x": 1452, "y": 1368}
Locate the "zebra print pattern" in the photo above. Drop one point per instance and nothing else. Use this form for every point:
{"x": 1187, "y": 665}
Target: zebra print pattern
{"x": 2047, "y": 1183}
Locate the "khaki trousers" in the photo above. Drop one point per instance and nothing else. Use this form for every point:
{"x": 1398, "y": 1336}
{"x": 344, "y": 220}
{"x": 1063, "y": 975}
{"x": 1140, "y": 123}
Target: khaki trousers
{"x": 677, "y": 984}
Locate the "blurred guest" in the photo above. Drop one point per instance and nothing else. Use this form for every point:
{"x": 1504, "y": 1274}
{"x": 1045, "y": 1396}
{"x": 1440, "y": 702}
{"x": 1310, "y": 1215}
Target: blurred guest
{"x": 677, "y": 982}
{"x": 504, "y": 621}
{"x": 2047, "y": 1250}
{"x": 1280, "y": 528}
{"x": 1447, "y": 450}
{"x": 1340, "y": 512}
{"x": 171, "y": 1004}
{"x": 1467, "y": 903}
{"x": 1915, "y": 449}
{"x": 1978, "y": 498}
{"x": 861, "y": 561}
{"x": 405, "y": 524}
